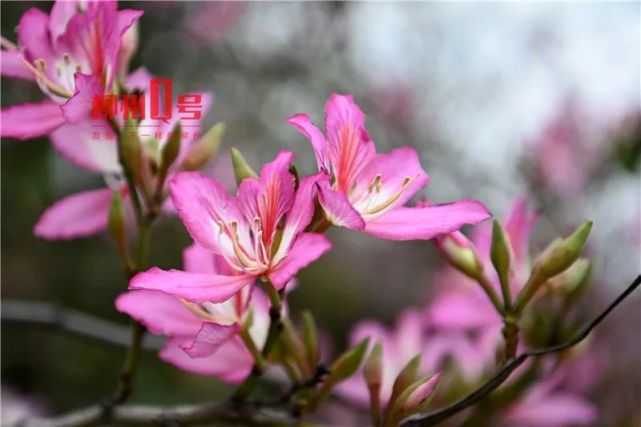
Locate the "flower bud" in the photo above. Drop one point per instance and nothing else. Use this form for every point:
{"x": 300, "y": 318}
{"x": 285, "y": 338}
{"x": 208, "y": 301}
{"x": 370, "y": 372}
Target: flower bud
{"x": 348, "y": 363}
{"x": 562, "y": 253}
{"x": 500, "y": 251}
{"x": 131, "y": 150}
{"x": 573, "y": 280}
{"x": 294, "y": 347}
{"x": 203, "y": 150}
{"x": 241, "y": 169}
{"x": 418, "y": 396}
{"x": 169, "y": 153}
{"x": 373, "y": 373}
{"x": 460, "y": 253}
{"x": 406, "y": 377}
{"x": 310, "y": 338}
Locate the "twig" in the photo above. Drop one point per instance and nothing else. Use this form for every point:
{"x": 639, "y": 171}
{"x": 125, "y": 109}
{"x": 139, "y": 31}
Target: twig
{"x": 130, "y": 414}
{"x": 511, "y": 365}
{"x": 38, "y": 313}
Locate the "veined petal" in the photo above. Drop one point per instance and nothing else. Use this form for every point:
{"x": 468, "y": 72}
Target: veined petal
{"x": 12, "y": 66}
{"x": 195, "y": 287}
{"x": 210, "y": 338}
{"x": 231, "y": 363}
{"x": 201, "y": 202}
{"x": 306, "y": 249}
{"x": 27, "y": 121}
{"x": 159, "y": 312}
{"x": 404, "y": 223}
{"x": 304, "y": 125}
{"x": 338, "y": 209}
{"x": 78, "y": 215}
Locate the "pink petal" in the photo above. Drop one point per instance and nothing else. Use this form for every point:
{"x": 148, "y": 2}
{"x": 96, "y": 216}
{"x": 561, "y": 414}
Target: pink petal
{"x": 341, "y": 109}
{"x": 61, "y": 13}
{"x": 77, "y": 144}
{"x": 231, "y": 363}
{"x": 27, "y": 121}
{"x": 338, "y": 209}
{"x": 161, "y": 313}
{"x": 518, "y": 227}
{"x": 197, "y": 199}
{"x": 210, "y": 338}
{"x": 405, "y": 223}
{"x": 78, "y": 107}
{"x": 301, "y": 212}
{"x": 303, "y": 123}
{"x": 555, "y": 410}
{"x": 33, "y": 36}
{"x": 197, "y": 259}
{"x": 195, "y": 287}
{"x": 139, "y": 79}
{"x": 307, "y": 248}
{"x": 12, "y": 66}
{"x": 78, "y": 215}
{"x": 394, "y": 167}
{"x": 460, "y": 310}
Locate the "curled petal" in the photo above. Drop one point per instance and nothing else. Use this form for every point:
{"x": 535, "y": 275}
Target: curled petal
{"x": 210, "y": 338}
{"x": 303, "y": 123}
{"x": 338, "y": 209}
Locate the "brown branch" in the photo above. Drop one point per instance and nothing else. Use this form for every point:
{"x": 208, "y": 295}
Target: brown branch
{"x": 494, "y": 382}
{"x": 38, "y": 313}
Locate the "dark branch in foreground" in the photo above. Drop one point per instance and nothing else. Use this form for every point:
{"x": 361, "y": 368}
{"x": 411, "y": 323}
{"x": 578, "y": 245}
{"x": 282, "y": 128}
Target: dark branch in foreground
{"x": 256, "y": 414}
{"x": 511, "y": 365}
{"x": 76, "y": 323}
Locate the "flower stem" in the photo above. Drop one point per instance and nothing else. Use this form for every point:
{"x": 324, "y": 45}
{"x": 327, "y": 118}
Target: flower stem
{"x": 489, "y": 291}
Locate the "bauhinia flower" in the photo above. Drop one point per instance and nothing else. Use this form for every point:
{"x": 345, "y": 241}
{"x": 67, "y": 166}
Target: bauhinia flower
{"x": 72, "y": 54}
{"x": 204, "y": 338}
{"x": 85, "y": 213}
{"x": 259, "y": 232}
{"x": 363, "y": 190}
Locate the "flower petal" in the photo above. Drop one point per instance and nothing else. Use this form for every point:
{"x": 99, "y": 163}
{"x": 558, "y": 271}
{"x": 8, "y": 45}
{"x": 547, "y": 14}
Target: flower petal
{"x": 12, "y": 66}
{"x": 307, "y": 248}
{"x": 77, "y": 144}
{"x": 231, "y": 363}
{"x": 304, "y": 125}
{"x": 78, "y": 107}
{"x": 337, "y": 208}
{"x": 200, "y": 202}
{"x": 423, "y": 223}
{"x": 197, "y": 259}
{"x": 210, "y": 338}
{"x": 159, "y": 312}
{"x": 33, "y": 36}
{"x": 518, "y": 227}
{"x": 78, "y": 215}
{"x": 27, "y": 121}
{"x": 554, "y": 410}
{"x": 195, "y": 287}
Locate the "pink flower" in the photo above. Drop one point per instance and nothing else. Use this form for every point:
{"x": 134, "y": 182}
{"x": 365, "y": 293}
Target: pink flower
{"x": 203, "y": 337}
{"x": 399, "y": 346}
{"x": 72, "y": 54}
{"x": 86, "y": 213}
{"x": 366, "y": 191}
{"x": 245, "y": 230}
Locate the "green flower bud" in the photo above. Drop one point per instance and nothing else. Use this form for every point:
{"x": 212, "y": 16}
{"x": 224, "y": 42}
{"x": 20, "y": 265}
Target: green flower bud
{"x": 205, "y": 149}
{"x": 241, "y": 169}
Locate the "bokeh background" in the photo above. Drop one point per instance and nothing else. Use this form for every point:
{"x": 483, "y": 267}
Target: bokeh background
{"x": 502, "y": 100}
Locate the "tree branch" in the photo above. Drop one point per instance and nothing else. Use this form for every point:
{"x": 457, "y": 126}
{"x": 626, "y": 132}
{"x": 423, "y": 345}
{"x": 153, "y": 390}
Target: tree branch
{"x": 494, "y": 382}
{"x": 131, "y": 414}
{"x": 38, "y": 313}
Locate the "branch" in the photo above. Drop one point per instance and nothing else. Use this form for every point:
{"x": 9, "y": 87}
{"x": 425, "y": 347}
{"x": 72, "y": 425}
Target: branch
{"x": 76, "y": 323}
{"x": 130, "y": 414}
{"x": 494, "y": 382}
